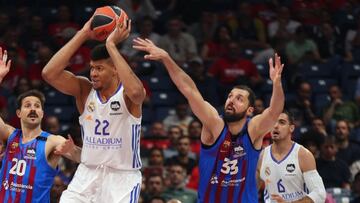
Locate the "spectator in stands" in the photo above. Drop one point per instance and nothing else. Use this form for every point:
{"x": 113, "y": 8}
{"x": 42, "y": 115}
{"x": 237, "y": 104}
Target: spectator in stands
{"x": 232, "y": 70}
{"x": 184, "y": 155}
{"x": 144, "y": 31}
{"x": 18, "y": 68}
{"x": 154, "y": 187}
{"x": 302, "y": 48}
{"x": 182, "y": 116}
{"x": 204, "y": 29}
{"x": 259, "y": 106}
{"x": 43, "y": 55}
{"x": 179, "y": 44}
{"x": 301, "y": 106}
{"x": 313, "y": 138}
{"x": 174, "y": 133}
{"x": 339, "y": 109}
{"x": 347, "y": 150}
{"x": 137, "y": 9}
{"x": 206, "y": 84}
{"x": 156, "y": 199}
{"x": 216, "y": 47}
{"x": 177, "y": 189}
{"x": 357, "y": 93}
{"x": 155, "y": 138}
{"x": 52, "y": 125}
{"x": 328, "y": 165}
{"x": 283, "y": 27}
{"x": 194, "y": 133}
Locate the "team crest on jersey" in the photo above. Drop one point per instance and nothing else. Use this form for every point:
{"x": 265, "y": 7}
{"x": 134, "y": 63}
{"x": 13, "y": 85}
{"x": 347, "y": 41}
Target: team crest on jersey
{"x": 290, "y": 168}
{"x": 225, "y": 146}
{"x": 239, "y": 151}
{"x": 267, "y": 171}
{"x": 13, "y": 147}
{"x": 91, "y": 107}
{"x": 30, "y": 153}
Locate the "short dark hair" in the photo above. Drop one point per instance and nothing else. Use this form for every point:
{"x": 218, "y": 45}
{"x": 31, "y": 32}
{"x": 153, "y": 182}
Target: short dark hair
{"x": 251, "y": 96}
{"x": 34, "y": 93}
{"x": 99, "y": 52}
{"x": 290, "y": 116}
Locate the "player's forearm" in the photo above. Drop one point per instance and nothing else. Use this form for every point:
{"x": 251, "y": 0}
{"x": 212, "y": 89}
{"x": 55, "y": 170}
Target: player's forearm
{"x": 60, "y": 60}
{"x": 304, "y": 200}
{"x": 74, "y": 154}
{"x": 132, "y": 84}
{"x": 277, "y": 99}
{"x": 182, "y": 80}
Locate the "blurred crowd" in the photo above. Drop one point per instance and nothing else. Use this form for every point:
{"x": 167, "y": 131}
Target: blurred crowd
{"x": 220, "y": 43}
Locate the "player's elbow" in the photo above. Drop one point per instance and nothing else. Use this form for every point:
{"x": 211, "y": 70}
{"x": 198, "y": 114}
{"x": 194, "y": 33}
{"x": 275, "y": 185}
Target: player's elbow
{"x": 137, "y": 96}
{"x": 47, "y": 75}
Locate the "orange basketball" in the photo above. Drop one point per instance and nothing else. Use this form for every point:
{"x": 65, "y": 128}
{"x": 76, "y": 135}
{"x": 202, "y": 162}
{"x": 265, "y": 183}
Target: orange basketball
{"x": 104, "y": 21}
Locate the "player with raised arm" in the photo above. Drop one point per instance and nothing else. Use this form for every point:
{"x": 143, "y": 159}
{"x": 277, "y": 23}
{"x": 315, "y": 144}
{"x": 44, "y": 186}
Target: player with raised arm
{"x": 32, "y": 155}
{"x": 289, "y": 169}
{"x": 231, "y": 143}
{"x": 110, "y": 107}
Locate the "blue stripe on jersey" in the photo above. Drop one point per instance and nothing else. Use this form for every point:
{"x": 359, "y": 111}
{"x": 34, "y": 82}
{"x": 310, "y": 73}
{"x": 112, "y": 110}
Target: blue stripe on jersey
{"x": 135, "y": 142}
{"x": 134, "y": 195}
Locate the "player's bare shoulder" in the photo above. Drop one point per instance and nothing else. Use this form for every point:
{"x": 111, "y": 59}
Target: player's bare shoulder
{"x": 306, "y": 159}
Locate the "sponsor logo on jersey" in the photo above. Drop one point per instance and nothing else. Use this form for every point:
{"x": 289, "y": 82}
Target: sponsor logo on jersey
{"x": 239, "y": 151}
{"x": 30, "y": 153}
{"x": 115, "y": 105}
{"x": 232, "y": 183}
{"x": 225, "y": 146}
{"x": 290, "y": 168}
{"x": 91, "y": 107}
{"x": 214, "y": 179}
{"x": 17, "y": 187}
{"x": 267, "y": 171}
{"x": 103, "y": 141}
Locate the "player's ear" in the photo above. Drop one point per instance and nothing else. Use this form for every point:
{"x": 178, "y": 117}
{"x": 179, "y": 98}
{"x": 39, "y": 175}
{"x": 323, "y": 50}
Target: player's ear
{"x": 292, "y": 128}
{"x": 18, "y": 113}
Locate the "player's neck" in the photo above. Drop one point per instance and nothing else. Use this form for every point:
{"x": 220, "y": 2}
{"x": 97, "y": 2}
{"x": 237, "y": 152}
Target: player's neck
{"x": 236, "y": 127}
{"x": 282, "y": 147}
{"x": 105, "y": 94}
{"x": 29, "y": 134}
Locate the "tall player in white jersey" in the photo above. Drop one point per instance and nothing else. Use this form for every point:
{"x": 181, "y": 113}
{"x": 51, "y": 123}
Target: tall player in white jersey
{"x": 110, "y": 108}
{"x": 288, "y": 169}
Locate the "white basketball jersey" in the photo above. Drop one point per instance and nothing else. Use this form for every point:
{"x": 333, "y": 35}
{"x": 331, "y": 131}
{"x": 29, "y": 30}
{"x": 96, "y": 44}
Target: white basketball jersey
{"x": 111, "y": 135}
{"x": 283, "y": 177}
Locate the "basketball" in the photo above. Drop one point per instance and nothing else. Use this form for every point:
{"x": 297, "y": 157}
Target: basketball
{"x": 104, "y": 21}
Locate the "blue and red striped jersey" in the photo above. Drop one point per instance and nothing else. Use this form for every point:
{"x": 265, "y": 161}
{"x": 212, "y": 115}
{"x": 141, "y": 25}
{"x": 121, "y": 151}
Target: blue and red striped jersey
{"x": 26, "y": 175}
{"x": 228, "y": 169}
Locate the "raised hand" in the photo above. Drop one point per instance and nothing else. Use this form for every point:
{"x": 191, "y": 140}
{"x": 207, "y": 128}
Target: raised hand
{"x": 155, "y": 53}
{"x": 65, "y": 147}
{"x": 275, "y": 70}
{"x": 4, "y": 64}
{"x": 121, "y": 32}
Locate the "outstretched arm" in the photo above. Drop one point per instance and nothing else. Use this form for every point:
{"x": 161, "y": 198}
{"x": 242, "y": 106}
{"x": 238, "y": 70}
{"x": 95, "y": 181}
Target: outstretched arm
{"x": 202, "y": 109}
{"x": 67, "y": 148}
{"x": 55, "y": 74}
{"x": 133, "y": 87}
{"x": 263, "y": 123}
{"x": 5, "y": 129}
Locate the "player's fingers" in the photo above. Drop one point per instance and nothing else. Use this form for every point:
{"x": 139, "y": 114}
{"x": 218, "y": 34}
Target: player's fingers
{"x": 149, "y": 41}
{"x": 1, "y": 51}
{"x": 270, "y": 63}
{"x": 8, "y": 65}
{"x": 128, "y": 24}
{"x": 5, "y": 56}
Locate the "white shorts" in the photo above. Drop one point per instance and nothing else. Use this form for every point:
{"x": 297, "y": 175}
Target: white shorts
{"x": 103, "y": 184}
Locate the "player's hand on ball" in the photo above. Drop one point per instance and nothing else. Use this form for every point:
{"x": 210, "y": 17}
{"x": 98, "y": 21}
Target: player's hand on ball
{"x": 87, "y": 30}
{"x": 4, "y": 64}
{"x": 155, "y": 53}
{"x": 121, "y": 32}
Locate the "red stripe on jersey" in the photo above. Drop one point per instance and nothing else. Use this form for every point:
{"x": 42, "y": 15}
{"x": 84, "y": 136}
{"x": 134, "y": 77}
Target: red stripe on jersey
{"x": 222, "y": 175}
{"x": 231, "y": 190}
{"x": 11, "y": 156}
{"x": 242, "y": 184}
